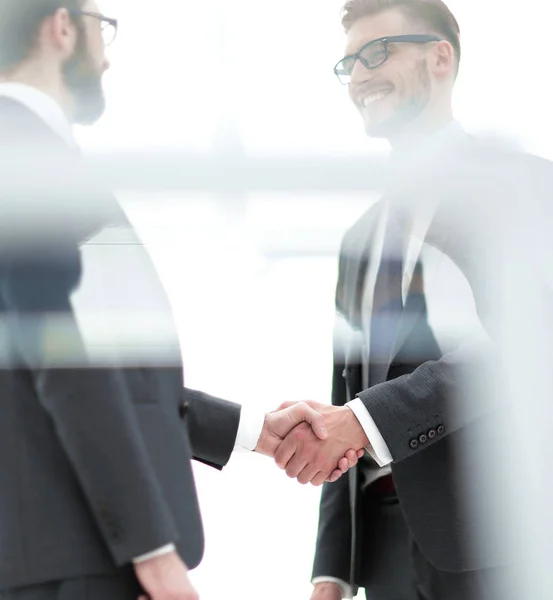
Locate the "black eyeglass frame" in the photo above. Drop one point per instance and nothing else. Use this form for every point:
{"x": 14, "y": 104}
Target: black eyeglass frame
{"x": 416, "y": 38}
{"x": 102, "y": 18}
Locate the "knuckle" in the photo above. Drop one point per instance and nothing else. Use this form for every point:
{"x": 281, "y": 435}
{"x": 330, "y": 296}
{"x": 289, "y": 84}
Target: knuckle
{"x": 301, "y": 433}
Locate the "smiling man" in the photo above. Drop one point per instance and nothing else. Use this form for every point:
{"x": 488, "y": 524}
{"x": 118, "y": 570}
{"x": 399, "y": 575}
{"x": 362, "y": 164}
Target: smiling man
{"x": 396, "y": 528}
{"x": 400, "y": 90}
{"x": 400, "y": 64}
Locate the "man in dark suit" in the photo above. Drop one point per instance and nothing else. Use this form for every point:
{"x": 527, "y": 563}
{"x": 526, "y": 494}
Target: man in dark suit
{"x": 418, "y": 301}
{"x": 97, "y": 430}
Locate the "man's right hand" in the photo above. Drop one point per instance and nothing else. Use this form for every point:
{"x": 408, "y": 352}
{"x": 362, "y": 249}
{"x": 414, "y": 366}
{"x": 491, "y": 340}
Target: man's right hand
{"x": 165, "y": 577}
{"x": 327, "y": 591}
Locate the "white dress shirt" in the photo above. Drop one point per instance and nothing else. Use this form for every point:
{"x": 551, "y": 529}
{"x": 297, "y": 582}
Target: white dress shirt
{"x": 44, "y": 106}
{"x": 47, "y": 109}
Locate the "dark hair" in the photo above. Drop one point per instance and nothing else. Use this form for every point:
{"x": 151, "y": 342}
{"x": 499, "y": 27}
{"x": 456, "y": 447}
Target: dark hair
{"x": 433, "y": 15}
{"x": 20, "y": 21}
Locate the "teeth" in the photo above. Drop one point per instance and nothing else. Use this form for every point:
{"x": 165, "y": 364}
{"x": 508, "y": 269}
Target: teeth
{"x": 375, "y": 97}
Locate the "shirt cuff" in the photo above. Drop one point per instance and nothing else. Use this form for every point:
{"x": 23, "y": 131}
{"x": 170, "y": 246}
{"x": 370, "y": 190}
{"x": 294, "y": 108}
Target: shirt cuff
{"x": 377, "y": 446}
{"x": 347, "y": 592}
{"x": 249, "y": 428}
{"x": 155, "y": 553}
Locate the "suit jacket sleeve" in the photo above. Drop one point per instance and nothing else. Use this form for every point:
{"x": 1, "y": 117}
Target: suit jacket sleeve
{"x": 477, "y": 228}
{"x": 89, "y": 406}
{"x": 212, "y": 427}
{"x": 428, "y": 401}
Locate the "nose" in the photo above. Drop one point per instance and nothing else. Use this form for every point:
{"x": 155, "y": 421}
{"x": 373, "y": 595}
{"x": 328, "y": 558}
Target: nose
{"x": 360, "y": 73}
{"x": 106, "y": 65}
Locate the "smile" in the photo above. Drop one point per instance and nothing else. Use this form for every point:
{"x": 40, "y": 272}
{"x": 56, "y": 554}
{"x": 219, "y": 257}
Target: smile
{"x": 376, "y": 97}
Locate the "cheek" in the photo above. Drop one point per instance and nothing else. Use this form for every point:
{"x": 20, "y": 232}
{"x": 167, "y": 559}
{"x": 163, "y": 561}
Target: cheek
{"x": 98, "y": 56}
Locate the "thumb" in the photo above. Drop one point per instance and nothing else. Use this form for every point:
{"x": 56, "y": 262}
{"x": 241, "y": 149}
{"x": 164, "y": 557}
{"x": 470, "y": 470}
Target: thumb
{"x": 284, "y": 405}
{"x": 302, "y": 412}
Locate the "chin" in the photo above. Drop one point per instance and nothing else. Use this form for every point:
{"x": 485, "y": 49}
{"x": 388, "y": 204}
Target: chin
{"x": 377, "y": 129}
{"x": 90, "y": 112}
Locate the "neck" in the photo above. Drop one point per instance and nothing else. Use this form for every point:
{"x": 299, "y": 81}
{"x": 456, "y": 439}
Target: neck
{"x": 44, "y": 80}
{"x": 424, "y": 126}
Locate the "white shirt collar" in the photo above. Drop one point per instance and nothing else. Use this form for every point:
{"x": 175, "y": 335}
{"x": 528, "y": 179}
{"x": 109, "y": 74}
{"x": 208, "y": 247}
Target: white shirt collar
{"x": 45, "y": 107}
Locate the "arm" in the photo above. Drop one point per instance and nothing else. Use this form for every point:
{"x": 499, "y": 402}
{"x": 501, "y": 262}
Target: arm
{"x": 91, "y": 411}
{"x": 212, "y": 427}
{"x": 426, "y": 402}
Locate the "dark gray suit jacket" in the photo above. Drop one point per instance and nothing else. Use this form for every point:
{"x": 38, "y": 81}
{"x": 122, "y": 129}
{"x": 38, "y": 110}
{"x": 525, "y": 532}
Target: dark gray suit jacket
{"x": 419, "y": 403}
{"x": 95, "y": 455}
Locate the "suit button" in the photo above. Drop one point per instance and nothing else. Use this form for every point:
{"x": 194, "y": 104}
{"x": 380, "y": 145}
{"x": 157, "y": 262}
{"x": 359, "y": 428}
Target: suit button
{"x": 413, "y": 444}
{"x": 431, "y": 434}
{"x": 440, "y": 429}
{"x": 183, "y": 408}
{"x": 422, "y": 438}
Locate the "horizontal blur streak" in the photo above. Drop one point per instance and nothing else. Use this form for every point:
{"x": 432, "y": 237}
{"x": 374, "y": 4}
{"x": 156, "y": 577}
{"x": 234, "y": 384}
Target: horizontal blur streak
{"x": 165, "y": 171}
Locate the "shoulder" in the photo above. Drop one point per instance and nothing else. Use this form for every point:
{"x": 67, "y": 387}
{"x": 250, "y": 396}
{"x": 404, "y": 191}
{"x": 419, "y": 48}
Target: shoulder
{"x": 356, "y": 235}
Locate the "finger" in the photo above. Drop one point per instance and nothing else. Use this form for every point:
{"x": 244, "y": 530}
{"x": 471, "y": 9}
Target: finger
{"x": 334, "y": 476}
{"x": 319, "y": 479}
{"x": 361, "y": 453}
{"x": 307, "y": 474}
{"x": 285, "y": 452}
{"x": 303, "y": 412}
{"x": 348, "y": 461}
{"x": 295, "y": 467}
{"x": 343, "y": 465}
{"x": 351, "y": 457}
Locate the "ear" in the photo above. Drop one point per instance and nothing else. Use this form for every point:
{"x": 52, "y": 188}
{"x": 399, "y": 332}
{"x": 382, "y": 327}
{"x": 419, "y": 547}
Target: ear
{"x": 61, "y": 32}
{"x": 443, "y": 62}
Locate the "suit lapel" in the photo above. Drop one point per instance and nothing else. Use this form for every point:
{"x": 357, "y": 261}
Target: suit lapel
{"x": 354, "y": 260}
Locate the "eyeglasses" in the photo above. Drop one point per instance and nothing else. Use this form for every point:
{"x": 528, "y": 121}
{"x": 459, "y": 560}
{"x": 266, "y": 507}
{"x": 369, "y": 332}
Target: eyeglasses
{"x": 375, "y": 53}
{"x": 109, "y": 26}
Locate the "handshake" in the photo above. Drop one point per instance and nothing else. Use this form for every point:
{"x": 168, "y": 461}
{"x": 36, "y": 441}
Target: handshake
{"x": 313, "y": 442}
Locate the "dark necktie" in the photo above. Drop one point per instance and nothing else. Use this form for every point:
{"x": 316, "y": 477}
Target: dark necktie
{"x": 387, "y": 304}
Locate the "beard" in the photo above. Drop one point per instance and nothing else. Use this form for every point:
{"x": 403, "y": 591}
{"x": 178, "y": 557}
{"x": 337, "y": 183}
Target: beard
{"x": 84, "y": 83}
{"x": 409, "y": 108}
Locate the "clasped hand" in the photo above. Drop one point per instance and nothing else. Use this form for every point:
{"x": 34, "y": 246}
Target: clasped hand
{"x": 312, "y": 442}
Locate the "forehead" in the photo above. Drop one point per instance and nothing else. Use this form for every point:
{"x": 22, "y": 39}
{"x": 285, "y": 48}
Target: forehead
{"x": 91, "y": 6}
{"x": 372, "y": 27}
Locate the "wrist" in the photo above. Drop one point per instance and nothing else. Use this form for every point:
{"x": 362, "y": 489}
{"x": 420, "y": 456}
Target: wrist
{"x": 327, "y": 590}
{"x": 262, "y": 445}
{"x": 351, "y": 430}
{"x": 327, "y": 584}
